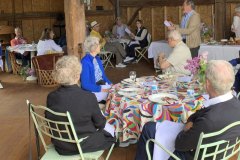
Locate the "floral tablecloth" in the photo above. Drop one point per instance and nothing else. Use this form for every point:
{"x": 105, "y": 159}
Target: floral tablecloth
{"x": 133, "y": 113}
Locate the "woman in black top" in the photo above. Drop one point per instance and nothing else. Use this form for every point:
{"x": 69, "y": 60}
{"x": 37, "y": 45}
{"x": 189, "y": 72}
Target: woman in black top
{"x": 138, "y": 40}
{"x": 82, "y": 106}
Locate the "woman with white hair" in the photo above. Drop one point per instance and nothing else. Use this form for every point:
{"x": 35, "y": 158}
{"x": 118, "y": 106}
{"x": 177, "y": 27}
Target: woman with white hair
{"x": 236, "y": 22}
{"x": 82, "y": 106}
{"x": 93, "y": 77}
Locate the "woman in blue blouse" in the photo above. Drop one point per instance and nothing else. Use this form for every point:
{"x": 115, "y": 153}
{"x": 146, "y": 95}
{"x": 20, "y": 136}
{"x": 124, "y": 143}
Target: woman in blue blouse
{"x": 93, "y": 77}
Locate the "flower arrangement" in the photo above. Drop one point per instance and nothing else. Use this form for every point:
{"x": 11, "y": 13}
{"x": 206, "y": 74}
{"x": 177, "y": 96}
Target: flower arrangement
{"x": 197, "y": 66}
{"x": 26, "y": 71}
{"x": 206, "y": 32}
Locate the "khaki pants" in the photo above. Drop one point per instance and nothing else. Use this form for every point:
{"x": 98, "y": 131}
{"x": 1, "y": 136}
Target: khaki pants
{"x": 117, "y": 49}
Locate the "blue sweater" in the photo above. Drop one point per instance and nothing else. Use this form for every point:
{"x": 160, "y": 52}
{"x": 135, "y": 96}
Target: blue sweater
{"x": 88, "y": 74}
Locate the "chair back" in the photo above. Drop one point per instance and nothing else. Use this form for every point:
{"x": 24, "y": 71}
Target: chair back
{"x": 44, "y": 66}
{"x": 149, "y": 39}
{"x": 15, "y": 66}
{"x": 59, "y": 130}
{"x": 222, "y": 149}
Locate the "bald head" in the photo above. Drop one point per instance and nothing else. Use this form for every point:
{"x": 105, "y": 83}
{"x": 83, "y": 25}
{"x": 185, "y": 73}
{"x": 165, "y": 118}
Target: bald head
{"x": 220, "y": 74}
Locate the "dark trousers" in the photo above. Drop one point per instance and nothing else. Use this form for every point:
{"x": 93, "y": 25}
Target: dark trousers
{"x": 194, "y": 51}
{"x": 131, "y": 50}
{"x": 148, "y": 132}
{"x": 25, "y": 58}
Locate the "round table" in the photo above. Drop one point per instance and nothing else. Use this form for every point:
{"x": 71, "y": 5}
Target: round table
{"x": 133, "y": 112}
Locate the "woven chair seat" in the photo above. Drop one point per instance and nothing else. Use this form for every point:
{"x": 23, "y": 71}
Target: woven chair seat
{"x": 15, "y": 66}
{"x": 44, "y": 66}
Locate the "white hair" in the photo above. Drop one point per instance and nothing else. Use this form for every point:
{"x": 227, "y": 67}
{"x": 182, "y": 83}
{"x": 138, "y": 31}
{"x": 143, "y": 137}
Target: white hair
{"x": 91, "y": 43}
{"x": 221, "y": 76}
{"x": 67, "y": 70}
{"x": 175, "y": 35}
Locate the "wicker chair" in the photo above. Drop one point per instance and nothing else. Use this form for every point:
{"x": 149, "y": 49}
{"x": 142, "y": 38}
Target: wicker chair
{"x": 15, "y": 66}
{"x": 44, "y": 65}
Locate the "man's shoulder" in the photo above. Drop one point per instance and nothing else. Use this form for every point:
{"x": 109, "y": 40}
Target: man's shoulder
{"x": 195, "y": 14}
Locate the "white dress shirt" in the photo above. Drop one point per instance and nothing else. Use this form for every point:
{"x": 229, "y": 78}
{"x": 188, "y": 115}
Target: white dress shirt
{"x": 219, "y": 99}
{"x": 47, "y": 45}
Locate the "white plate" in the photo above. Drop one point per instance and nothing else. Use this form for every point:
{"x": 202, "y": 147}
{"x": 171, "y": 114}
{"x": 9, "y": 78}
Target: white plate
{"x": 127, "y": 94}
{"x": 130, "y": 90}
{"x": 157, "y": 98}
{"x": 128, "y": 80}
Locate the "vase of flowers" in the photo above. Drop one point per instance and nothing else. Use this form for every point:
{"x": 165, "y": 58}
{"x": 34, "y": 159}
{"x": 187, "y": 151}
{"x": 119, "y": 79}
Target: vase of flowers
{"x": 206, "y": 33}
{"x": 26, "y": 71}
{"x": 197, "y": 67}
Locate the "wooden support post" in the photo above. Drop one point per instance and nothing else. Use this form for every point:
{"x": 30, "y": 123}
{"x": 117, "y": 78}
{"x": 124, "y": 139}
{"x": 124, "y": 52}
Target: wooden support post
{"x": 75, "y": 25}
{"x": 220, "y": 19}
{"x": 117, "y": 9}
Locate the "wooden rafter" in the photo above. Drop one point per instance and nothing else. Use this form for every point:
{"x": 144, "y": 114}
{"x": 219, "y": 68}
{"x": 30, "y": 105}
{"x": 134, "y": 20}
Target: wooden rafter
{"x": 134, "y": 16}
{"x": 154, "y": 3}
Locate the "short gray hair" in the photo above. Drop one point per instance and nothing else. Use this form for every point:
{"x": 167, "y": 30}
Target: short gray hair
{"x": 91, "y": 43}
{"x": 175, "y": 35}
{"x": 221, "y": 76}
{"x": 191, "y": 3}
{"x": 66, "y": 70}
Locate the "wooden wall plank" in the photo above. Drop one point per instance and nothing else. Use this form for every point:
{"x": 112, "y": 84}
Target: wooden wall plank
{"x": 18, "y": 6}
{"x": 38, "y": 27}
{"x": 147, "y": 18}
{"x": 40, "y": 6}
{"x": 56, "y": 5}
{"x": 6, "y": 6}
{"x": 159, "y": 28}
{"x": 27, "y": 27}
{"x": 27, "y": 6}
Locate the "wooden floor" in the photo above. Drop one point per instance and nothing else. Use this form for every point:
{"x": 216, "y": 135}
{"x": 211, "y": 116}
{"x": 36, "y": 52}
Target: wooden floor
{"x": 14, "y": 133}
{"x": 14, "y": 130}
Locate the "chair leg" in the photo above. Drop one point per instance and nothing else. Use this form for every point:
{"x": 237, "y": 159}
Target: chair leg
{"x": 110, "y": 151}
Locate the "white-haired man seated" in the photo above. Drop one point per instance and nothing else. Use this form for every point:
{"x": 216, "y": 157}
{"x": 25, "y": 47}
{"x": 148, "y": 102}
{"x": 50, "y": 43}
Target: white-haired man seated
{"x": 179, "y": 56}
{"x": 219, "y": 111}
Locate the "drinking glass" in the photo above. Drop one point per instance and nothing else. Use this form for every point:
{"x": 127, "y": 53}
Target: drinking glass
{"x": 132, "y": 75}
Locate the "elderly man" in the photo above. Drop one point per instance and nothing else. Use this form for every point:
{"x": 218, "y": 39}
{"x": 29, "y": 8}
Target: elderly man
{"x": 179, "y": 56}
{"x": 219, "y": 111}
{"x": 18, "y": 40}
{"x": 190, "y": 27}
{"x": 119, "y": 29}
{"x": 114, "y": 47}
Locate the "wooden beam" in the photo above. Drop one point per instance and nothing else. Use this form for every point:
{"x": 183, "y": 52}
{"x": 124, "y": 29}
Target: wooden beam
{"x": 75, "y": 25}
{"x": 220, "y": 19}
{"x": 28, "y": 15}
{"x": 134, "y": 16}
{"x": 232, "y": 1}
{"x": 157, "y": 3}
{"x": 112, "y": 2}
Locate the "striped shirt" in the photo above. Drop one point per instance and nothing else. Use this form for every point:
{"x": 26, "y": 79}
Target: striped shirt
{"x": 185, "y": 20}
{"x": 98, "y": 72}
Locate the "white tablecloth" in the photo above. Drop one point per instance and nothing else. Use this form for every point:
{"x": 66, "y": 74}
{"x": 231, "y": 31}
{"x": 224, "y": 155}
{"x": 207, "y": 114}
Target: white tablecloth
{"x": 215, "y": 52}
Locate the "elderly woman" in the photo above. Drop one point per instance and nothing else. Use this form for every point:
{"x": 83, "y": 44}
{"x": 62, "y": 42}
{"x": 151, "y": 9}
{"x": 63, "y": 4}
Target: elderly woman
{"x": 236, "y": 22}
{"x": 18, "y": 40}
{"x": 46, "y": 43}
{"x": 93, "y": 77}
{"x": 83, "y": 107}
